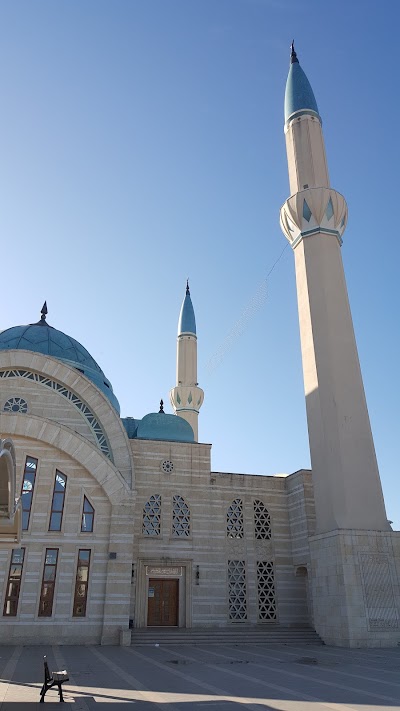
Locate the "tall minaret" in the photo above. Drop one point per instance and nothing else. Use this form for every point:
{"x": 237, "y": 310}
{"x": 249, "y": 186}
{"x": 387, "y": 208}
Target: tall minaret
{"x": 347, "y": 488}
{"x": 187, "y": 398}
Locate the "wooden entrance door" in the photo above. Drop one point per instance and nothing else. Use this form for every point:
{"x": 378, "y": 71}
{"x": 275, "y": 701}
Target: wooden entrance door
{"x": 163, "y": 597}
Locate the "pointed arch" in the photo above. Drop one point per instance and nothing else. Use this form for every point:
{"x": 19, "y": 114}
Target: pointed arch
{"x": 234, "y": 519}
{"x": 180, "y": 517}
{"x": 262, "y": 521}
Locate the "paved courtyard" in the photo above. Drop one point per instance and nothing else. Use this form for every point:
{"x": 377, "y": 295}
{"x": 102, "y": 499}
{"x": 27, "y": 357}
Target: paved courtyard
{"x": 206, "y": 678}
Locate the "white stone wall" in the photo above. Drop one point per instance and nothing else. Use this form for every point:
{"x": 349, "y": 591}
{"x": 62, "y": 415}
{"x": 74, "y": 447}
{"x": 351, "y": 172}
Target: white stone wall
{"x": 209, "y": 494}
{"x": 356, "y": 590}
{"x": 47, "y": 403}
{"x": 27, "y": 627}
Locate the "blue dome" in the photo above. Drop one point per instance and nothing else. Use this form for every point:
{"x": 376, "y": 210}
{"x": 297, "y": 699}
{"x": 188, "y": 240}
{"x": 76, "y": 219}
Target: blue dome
{"x": 42, "y": 338}
{"x": 159, "y": 425}
{"x": 299, "y": 96}
{"x": 187, "y": 321}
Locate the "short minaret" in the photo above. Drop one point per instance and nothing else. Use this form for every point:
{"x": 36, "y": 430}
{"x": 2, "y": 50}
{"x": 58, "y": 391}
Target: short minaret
{"x": 187, "y": 398}
{"x": 347, "y": 487}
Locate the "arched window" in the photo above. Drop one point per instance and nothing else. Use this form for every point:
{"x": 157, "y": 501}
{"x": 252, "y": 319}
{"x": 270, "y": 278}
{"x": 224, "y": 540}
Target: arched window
{"x": 87, "y": 516}
{"x": 180, "y": 517}
{"x": 57, "y": 505}
{"x": 28, "y": 485}
{"x": 262, "y": 522}
{"x": 152, "y": 516}
{"x": 234, "y": 519}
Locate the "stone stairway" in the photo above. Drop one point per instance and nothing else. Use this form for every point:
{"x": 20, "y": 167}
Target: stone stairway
{"x": 150, "y": 636}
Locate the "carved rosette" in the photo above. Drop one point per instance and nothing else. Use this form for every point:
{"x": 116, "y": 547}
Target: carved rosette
{"x": 313, "y": 211}
{"x": 186, "y": 397}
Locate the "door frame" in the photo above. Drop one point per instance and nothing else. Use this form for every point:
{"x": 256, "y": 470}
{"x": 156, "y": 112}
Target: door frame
{"x": 145, "y": 571}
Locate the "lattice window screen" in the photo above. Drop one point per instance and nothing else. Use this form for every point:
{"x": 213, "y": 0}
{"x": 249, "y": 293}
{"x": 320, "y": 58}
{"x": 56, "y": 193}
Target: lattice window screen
{"x": 16, "y": 404}
{"x": 262, "y": 521}
{"x": 180, "y": 517}
{"x": 237, "y": 590}
{"x": 266, "y": 591}
{"x": 234, "y": 519}
{"x": 152, "y": 516}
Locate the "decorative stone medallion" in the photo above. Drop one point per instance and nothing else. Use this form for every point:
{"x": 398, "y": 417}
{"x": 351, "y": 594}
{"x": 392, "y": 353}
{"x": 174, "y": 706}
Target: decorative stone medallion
{"x": 16, "y": 404}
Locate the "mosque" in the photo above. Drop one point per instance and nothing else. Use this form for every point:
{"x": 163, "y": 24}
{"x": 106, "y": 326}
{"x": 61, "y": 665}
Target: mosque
{"x": 110, "y": 525}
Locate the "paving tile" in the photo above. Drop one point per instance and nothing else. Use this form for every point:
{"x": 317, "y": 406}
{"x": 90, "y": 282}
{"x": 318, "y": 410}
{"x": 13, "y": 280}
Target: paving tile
{"x": 204, "y": 678}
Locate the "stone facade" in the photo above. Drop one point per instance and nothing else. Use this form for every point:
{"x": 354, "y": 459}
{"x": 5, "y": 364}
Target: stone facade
{"x": 236, "y": 544}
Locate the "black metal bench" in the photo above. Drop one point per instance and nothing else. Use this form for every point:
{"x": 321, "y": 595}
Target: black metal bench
{"x": 54, "y": 679}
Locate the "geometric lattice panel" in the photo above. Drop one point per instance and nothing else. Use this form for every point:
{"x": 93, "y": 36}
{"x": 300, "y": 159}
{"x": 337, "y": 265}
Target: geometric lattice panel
{"x": 237, "y": 590}
{"x": 69, "y": 395}
{"x": 180, "y": 517}
{"x": 262, "y": 522}
{"x": 266, "y": 591}
{"x": 16, "y": 404}
{"x": 234, "y": 519}
{"x": 152, "y": 516}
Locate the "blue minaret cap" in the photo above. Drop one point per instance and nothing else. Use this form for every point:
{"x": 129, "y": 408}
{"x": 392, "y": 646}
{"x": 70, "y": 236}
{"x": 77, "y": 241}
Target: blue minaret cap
{"x": 187, "y": 321}
{"x": 299, "y": 97}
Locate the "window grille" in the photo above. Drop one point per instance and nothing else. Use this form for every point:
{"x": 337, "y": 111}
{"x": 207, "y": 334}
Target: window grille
{"x": 16, "y": 404}
{"x": 266, "y": 591}
{"x": 62, "y": 390}
{"x": 87, "y": 516}
{"x": 262, "y": 522}
{"x": 152, "y": 516}
{"x": 57, "y": 504}
{"x": 48, "y": 583}
{"x": 14, "y": 582}
{"x": 28, "y": 485}
{"x": 237, "y": 590}
{"x": 81, "y": 584}
{"x": 180, "y": 517}
{"x": 234, "y": 519}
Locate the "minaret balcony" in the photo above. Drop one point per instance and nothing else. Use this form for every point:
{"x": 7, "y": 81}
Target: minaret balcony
{"x": 186, "y": 397}
{"x": 313, "y": 211}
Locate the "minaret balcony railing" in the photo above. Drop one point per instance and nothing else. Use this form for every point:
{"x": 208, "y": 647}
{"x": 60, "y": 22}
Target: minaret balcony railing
{"x": 186, "y": 397}
{"x": 313, "y": 211}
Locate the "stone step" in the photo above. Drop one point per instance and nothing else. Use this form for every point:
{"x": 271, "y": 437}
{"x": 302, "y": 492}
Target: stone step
{"x": 193, "y": 636}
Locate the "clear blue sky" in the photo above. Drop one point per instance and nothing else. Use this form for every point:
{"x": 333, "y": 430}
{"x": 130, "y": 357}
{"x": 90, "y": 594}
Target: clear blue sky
{"x": 141, "y": 142}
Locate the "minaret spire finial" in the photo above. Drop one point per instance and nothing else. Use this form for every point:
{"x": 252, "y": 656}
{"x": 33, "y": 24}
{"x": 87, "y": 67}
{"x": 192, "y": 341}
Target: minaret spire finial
{"x": 44, "y": 312}
{"x": 161, "y": 410}
{"x": 293, "y": 55}
{"x": 186, "y": 397}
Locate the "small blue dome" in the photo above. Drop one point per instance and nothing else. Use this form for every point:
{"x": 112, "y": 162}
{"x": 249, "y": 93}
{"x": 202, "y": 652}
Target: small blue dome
{"x": 299, "y": 95}
{"x": 42, "y": 338}
{"x": 131, "y": 425}
{"x": 187, "y": 321}
{"x": 159, "y": 425}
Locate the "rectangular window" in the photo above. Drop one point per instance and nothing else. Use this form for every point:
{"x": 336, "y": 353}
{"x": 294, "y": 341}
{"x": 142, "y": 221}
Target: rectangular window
{"x": 237, "y": 590}
{"x": 28, "y": 485}
{"x": 81, "y": 584}
{"x": 48, "y": 583}
{"x": 87, "y": 516}
{"x": 14, "y": 582}
{"x": 266, "y": 591}
{"x": 57, "y": 505}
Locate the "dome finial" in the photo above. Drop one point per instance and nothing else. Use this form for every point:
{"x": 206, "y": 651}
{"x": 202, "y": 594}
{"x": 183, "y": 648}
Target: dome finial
{"x": 161, "y": 410}
{"x": 293, "y": 55}
{"x": 44, "y": 312}
{"x": 187, "y": 286}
